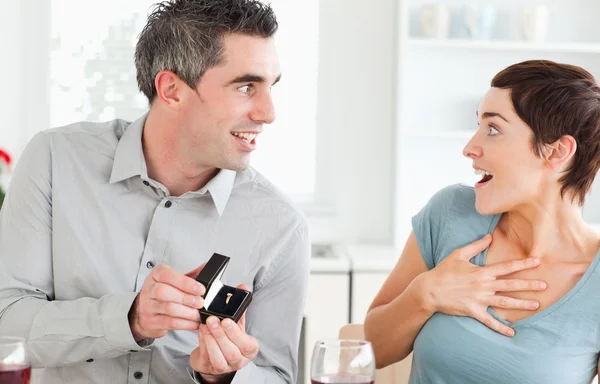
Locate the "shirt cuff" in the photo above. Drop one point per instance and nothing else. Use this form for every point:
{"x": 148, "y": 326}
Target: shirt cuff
{"x": 115, "y": 321}
{"x": 250, "y": 374}
{"x": 198, "y": 379}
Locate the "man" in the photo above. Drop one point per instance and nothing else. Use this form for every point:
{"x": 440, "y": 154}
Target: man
{"x": 103, "y": 220}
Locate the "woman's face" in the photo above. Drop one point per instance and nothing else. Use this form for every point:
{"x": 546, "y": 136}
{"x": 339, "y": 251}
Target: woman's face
{"x": 501, "y": 150}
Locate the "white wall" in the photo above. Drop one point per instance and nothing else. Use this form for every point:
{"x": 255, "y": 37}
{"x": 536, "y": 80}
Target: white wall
{"x": 356, "y": 109}
{"x": 23, "y": 57}
{"x": 356, "y": 99}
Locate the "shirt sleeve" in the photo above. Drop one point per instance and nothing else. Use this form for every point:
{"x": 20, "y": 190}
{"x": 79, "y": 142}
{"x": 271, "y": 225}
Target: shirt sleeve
{"x": 275, "y": 315}
{"x": 430, "y": 222}
{"x": 58, "y": 333}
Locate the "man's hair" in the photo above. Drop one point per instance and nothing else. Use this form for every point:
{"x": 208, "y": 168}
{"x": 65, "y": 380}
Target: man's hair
{"x": 186, "y": 37}
{"x": 556, "y": 100}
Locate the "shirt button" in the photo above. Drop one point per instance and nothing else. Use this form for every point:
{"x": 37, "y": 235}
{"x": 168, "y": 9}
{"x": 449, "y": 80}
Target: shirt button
{"x": 146, "y": 183}
{"x": 138, "y": 375}
{"x": 168, "y": 204}
{"x": 89, "y": 360}
{"x": 149, "y": 265}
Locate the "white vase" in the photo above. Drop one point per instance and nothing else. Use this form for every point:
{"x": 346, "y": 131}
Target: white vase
{"x": 534, "y": 22}
{"x": 435, "y": 20}
{"x": 479, "y": 20}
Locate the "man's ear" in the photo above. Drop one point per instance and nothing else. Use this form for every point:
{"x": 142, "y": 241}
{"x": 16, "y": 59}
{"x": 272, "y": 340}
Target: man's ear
{"x": 168, "y": 88}
{"x": 559, "y": 154}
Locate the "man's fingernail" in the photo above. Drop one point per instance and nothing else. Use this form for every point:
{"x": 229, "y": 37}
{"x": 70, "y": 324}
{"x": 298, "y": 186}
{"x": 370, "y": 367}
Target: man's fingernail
{"x": 227, "y": 324}
{"x": 200, "y": 289}
{"x": 213, "y": 322}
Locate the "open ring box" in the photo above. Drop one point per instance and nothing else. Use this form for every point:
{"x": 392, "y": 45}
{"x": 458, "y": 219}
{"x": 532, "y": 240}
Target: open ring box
{"x": 220, "y": 300}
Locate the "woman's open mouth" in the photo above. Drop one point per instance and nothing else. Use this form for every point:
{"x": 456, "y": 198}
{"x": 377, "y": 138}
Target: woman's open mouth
{"x": 486, "y": 177}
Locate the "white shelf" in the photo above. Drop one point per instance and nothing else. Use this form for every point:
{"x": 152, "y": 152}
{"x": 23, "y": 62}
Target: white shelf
{"x": 503, "y": 45}
{"x": 462, "y": 135}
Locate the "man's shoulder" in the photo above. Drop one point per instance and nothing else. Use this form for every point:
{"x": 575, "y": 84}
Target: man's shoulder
{"x": 254, "y": 186}
{"x": 89, "y": 133}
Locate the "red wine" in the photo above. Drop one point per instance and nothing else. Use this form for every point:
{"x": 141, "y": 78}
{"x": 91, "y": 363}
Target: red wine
{"x": 342, "y": 379}
{"x": 15, "y": 374}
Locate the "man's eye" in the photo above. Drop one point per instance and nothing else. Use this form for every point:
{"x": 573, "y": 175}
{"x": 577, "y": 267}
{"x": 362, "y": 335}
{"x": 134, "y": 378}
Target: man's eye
{"x": 244, "y": 89}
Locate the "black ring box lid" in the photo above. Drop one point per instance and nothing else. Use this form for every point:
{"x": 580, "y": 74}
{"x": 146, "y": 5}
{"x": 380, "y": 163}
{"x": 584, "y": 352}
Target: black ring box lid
{"x": 210, "y": 277}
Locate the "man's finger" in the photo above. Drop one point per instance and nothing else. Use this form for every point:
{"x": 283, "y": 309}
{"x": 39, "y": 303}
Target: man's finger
{"x": 164, "y": 274}
{"x": 164, "y": 322}
{"x": 195, "y": 272}
{"x": 469, "y": 251}
{"x": 199, "y": 358}
{"x": 168, "y": 293}
{"x": 177, "y": 310}
{"x": 247, "y": 344}
{"x": 242, "y": 323}
{"x": 230, "y": 351}
{"x": 242, "y": 320}
{"x": 215, "y": 355}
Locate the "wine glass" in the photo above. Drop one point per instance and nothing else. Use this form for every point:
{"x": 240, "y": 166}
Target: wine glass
{"x": 15, "y": 367}
{"x": 342, "y": 361}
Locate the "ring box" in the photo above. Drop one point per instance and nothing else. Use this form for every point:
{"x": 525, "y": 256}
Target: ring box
{"x": 220, "y": 300}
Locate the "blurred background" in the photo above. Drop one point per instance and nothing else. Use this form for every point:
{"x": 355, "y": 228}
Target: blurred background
{"x": 376, "y": 102}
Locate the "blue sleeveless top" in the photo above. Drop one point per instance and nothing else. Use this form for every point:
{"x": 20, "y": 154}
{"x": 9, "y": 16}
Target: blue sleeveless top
{"x": 558, "y": 345}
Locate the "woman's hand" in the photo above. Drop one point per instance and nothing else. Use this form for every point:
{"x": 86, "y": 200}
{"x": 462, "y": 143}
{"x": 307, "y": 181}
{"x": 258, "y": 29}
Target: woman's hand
{"x": 460, "y": 288}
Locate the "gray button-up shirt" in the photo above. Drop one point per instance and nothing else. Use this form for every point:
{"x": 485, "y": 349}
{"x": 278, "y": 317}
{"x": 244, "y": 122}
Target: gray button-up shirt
{"x": 82, "y": 226}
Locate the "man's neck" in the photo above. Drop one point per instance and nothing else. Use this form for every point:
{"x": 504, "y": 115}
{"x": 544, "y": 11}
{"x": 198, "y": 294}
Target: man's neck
{"x": 165, "y": 162}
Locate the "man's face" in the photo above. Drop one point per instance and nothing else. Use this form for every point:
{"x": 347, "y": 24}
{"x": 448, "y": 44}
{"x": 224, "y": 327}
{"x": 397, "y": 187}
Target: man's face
{"x": 221, "y": 119}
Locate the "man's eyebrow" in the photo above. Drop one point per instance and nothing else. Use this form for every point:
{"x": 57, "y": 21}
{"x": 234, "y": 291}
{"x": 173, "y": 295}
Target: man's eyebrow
{"x": 487, "y": 115}
{"x": 249, "y": 78}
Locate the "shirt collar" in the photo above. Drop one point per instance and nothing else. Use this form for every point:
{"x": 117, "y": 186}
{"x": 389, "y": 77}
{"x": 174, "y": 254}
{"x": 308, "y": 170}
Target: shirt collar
{"x": 130, "y": 161}
{"x": 129, "y": 157}
{"x": 220, "y": 188}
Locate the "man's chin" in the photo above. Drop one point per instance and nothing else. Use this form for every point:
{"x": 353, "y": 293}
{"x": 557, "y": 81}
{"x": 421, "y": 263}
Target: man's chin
{"x": 237, "y": 167}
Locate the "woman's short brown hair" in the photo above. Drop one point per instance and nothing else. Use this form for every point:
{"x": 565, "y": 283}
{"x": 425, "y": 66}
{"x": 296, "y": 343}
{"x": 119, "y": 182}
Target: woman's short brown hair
{"x": 556, "y": 100}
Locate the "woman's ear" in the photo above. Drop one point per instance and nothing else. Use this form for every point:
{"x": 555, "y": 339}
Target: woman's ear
{"x": 559, "y": 154}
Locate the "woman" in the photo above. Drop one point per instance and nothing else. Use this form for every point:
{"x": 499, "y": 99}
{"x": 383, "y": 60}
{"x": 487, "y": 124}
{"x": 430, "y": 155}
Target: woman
{"x": 525, "y": 307}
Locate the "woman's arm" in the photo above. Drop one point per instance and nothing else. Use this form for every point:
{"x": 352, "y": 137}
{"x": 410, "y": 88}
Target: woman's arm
{"x": 401, "y": 298}
{"x": 412, "y": 294}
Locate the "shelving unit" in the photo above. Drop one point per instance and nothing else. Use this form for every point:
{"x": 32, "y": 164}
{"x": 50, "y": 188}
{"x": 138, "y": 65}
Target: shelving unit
{"x": 441, "y": 81}
{"x": 503, "y": 45}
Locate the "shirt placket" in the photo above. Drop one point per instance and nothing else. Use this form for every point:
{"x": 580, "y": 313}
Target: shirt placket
{"x": 156, "y": 243}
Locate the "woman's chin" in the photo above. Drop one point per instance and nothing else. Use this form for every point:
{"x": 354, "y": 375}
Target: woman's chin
{"x": 484, "y": 207}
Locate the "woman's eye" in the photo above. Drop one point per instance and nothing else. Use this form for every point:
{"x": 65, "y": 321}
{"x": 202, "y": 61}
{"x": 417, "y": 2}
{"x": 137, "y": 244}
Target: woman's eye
{"x": 493, "y": 131}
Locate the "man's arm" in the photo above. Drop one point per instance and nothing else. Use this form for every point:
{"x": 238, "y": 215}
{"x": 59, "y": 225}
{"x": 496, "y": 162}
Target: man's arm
{"x": 274, "y": 319}
{"x": 58, "y": 333}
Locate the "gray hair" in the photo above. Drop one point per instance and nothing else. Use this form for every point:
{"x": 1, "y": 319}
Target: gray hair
{"x": 186, "y": 37}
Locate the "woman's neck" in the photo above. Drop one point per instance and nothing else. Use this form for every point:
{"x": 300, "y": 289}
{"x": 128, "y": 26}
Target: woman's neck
{"x": 549, "y": 228}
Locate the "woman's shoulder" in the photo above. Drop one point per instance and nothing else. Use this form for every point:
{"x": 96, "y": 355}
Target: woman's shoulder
{"x": 448, "y": 221}
{"x": 454, "y": 199}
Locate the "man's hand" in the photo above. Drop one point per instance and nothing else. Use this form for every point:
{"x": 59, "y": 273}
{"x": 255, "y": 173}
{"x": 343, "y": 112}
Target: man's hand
{"x": 167, "y": 301}
{"x": 224, "y": 347}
